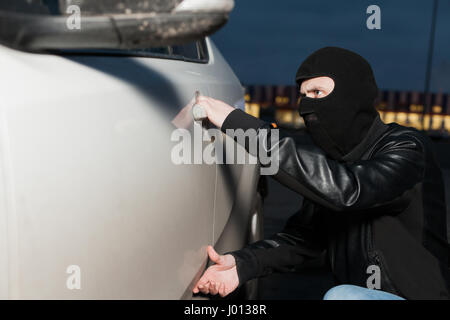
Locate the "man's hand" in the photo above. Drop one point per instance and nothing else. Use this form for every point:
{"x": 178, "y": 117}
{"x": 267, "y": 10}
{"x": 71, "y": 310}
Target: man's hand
{"x": 216, "y": 110}
{"x": 221, "y": 278}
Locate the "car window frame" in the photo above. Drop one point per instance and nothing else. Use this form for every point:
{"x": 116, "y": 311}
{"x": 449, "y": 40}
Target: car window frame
{"x": 202, "y": 50}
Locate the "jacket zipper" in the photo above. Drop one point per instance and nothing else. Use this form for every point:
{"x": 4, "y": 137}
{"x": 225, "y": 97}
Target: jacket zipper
{"x": 376, "y": 257}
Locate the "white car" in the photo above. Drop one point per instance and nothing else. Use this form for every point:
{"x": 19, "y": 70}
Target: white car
{"x": 91, "y": 204}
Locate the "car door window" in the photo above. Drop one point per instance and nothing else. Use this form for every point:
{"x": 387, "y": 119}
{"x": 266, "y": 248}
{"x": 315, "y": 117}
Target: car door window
{"x": 191, "y": 52}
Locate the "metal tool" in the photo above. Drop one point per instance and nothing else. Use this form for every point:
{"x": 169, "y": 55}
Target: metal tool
{"x": 198, "y": 111}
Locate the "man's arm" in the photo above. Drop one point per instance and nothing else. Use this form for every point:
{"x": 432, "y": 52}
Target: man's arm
{"x": 385, "y": 178}
{"x": 302, "y": 239}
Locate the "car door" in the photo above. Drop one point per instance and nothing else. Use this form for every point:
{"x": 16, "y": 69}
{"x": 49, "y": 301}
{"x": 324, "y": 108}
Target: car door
{"x": 238, "y": 176}
{"x": 94, "y": 205}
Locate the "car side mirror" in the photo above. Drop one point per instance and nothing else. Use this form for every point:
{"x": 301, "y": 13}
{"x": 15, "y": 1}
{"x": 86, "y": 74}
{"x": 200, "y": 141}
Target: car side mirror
{"x": 108, "y": 24}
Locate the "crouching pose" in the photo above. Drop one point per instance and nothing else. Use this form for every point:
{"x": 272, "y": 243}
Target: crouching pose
{"x": 373, "y": 193}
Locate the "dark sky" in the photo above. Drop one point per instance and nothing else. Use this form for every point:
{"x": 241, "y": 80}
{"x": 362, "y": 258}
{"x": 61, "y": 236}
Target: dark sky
{"x": 266, "y": 40}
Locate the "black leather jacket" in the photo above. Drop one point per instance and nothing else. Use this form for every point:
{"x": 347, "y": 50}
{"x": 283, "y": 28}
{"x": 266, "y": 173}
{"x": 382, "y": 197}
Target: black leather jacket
{"x": 384, "y": 205}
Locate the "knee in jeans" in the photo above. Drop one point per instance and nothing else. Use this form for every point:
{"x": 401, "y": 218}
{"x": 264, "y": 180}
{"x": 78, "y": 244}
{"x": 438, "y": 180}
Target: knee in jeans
{"x": 343, "y": 292}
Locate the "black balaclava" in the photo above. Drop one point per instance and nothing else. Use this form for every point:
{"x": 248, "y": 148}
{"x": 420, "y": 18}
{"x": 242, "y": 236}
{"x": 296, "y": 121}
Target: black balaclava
{"x": 339, "y": 121}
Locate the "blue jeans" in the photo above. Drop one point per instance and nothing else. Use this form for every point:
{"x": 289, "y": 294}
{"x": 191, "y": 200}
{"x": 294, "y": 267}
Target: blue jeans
{"x": 350, "y": 292}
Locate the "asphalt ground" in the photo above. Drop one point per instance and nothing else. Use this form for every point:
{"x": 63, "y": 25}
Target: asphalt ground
{"x": 312, "y": 284}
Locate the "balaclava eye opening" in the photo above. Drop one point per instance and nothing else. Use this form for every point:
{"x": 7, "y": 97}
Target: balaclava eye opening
{"x": 338, "y": 122}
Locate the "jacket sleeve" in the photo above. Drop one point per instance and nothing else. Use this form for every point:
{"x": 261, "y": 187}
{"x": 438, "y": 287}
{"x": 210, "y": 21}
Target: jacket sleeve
{"x": 385, "y": 179}
{"x": 301, "y": 240}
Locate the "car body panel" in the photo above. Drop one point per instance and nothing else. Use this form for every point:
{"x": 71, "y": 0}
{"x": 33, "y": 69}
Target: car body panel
{"x": 229, "y": 173}
{"x": 87, "y": 176}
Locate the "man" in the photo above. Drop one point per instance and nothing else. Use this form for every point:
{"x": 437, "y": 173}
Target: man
{"x": 373, "y": 193}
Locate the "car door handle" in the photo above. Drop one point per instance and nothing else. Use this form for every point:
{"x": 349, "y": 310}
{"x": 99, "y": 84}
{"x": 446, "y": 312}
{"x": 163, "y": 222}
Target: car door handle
{"x": 198, "y": 111}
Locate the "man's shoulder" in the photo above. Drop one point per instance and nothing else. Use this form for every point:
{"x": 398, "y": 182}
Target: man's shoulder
{"x": 402, "y": 136}
{"x": 397, "y": 130}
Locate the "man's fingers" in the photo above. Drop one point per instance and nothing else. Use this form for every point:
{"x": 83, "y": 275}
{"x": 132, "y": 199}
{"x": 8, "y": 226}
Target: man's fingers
{"x": 202, "y": 98}
{"x": 200, "y": 285}
{"x": 203, "y": 280}
{"x": 204, "y": 288}
{"x": 213, "y": 255}
{"x": 195, "y": 288}
{"x": 218, "y": 287}
{"x": 214, "y": 287}
{"x": 222, "y": 290}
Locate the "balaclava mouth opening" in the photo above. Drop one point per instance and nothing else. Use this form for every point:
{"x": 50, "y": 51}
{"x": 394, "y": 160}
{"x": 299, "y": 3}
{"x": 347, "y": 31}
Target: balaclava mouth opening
{"x": 338, "y": 122}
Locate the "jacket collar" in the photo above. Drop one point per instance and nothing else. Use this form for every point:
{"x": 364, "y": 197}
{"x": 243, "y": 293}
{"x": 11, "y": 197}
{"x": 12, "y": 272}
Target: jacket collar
{"x": 377, "y": 128}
